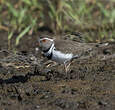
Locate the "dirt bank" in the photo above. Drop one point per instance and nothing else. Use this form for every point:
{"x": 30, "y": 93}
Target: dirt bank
{"x": 27, "y": 83}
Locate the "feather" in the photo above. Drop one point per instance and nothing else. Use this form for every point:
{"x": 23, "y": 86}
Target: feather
{"x": 61, "y": 57}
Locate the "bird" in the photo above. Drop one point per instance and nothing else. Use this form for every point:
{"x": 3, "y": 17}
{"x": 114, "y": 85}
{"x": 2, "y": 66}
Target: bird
{"x": 47, "y": 46}
{"x": 59, "y": 51}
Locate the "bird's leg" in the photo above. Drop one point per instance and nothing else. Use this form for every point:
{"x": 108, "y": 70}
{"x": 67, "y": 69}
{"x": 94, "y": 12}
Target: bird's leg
{"x": 66, "y": 68}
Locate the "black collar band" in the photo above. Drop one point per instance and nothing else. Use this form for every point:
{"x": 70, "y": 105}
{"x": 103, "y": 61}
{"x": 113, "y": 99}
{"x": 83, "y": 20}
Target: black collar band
{"x": 47, "y": 49}
{"x": 48, "y": 53}
{"x": 50, "y": 56}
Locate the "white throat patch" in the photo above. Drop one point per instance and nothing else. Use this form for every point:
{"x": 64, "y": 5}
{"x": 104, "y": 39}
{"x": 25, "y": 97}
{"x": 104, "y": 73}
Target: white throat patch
{"x": 50, "y": 50}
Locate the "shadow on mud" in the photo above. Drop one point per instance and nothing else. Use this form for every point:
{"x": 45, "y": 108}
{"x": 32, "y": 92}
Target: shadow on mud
{"x": 17, "y": 79}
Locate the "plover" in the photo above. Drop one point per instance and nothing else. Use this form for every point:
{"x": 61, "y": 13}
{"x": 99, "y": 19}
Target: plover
{"x": 49, "y": 49}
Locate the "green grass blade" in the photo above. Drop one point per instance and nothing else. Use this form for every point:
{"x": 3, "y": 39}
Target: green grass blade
{"x": 12, "y": 9}
{"x": 22, "y": 34}
{"x": 10, "y": 35}
{"x": 51, "y": 6}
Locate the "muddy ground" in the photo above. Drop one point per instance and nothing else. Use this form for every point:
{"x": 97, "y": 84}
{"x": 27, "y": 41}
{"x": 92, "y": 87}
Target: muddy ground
{"x": 29, "y": 83}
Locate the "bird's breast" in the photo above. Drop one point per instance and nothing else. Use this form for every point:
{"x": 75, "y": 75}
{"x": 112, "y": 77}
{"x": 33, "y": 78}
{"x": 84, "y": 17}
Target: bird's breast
{"x": 60, "y": 57}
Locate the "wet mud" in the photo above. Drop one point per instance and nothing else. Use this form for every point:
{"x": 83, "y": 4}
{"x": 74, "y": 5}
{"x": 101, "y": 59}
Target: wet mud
{"x": 27, "y": 82}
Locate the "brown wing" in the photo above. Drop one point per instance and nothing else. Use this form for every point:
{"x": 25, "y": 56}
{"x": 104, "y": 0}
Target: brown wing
{"x": 67, "y": 46}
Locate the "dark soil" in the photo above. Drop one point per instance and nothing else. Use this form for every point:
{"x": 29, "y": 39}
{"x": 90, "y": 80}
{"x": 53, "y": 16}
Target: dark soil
{"x": 27, "y": 82}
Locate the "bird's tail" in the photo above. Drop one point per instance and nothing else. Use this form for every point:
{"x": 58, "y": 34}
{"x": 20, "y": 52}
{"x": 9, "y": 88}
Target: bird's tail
{"x": 83, "y": 53}
{"x": 76, "y": 56}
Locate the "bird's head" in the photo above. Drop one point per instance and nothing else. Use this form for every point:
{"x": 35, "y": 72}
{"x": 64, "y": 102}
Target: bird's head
{"x": 45, "y": 43}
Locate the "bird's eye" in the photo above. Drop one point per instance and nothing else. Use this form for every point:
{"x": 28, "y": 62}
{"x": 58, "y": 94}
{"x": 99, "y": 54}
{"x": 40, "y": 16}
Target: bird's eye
{"x": 44, "y": 40}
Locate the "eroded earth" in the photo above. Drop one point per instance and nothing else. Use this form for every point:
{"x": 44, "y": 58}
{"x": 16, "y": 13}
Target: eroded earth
{"x": 27, "y": 82}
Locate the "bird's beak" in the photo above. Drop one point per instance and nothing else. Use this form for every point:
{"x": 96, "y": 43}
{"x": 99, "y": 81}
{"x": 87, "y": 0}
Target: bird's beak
{"x": 38, "y": 43}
